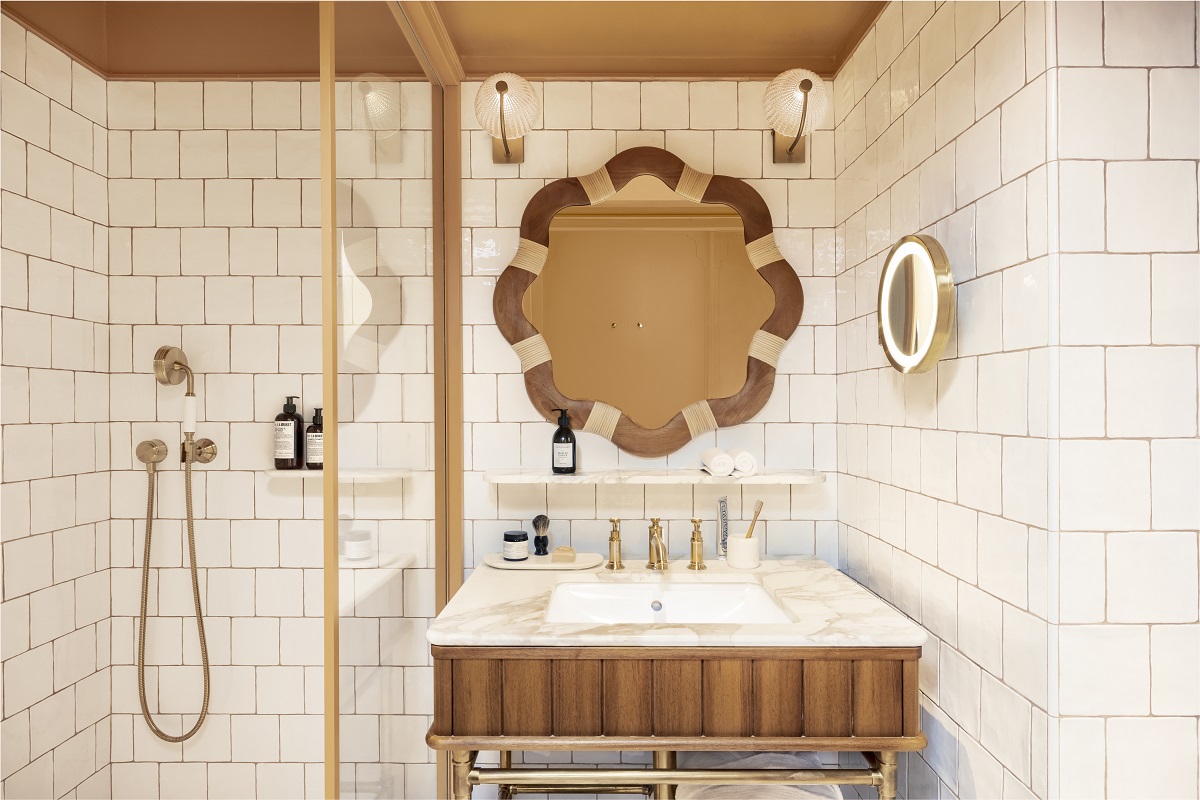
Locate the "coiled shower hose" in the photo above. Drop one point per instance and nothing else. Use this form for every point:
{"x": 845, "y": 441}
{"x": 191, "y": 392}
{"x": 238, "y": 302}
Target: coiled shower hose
{"x": 141, "y": 654}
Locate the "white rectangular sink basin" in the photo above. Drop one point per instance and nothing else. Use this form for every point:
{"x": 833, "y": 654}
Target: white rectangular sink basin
{"x": 662, "y": 603}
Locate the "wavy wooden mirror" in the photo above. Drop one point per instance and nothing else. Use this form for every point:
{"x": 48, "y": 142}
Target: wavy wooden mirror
{"x": 660, "y": 294}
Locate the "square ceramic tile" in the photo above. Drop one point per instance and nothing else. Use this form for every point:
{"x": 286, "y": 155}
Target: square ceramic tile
{"x": 1105, "y": 485}
{"x": 567, "y": 104}
{"x": 1159, "y": 34}
{"x": 1172, "y": 739}
{"x": 616, "y": 105}
{"x": 1104, "y": 670}
{"x": 1104, "y": 299}
{"x": 714, "y": 104}
{"x": 1151, "y": 391}
{"x": 665, "y": 105}
{"x": 1174, "y": 113}
{"x": 1151, "y": 206}
{"x": 1163, "y": 560}
{"x": 1086, "y": 130}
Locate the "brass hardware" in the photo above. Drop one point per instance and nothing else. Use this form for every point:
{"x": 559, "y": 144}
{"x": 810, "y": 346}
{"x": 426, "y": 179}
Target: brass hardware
{"x": 658, "y": 548}
{"x": 780, "y": 149}
{"x": 151, "y": 452}
{"x": 901, "y": 339}
{"x": 614, "y": 545}
{"x": 664, "y": 760}
{"x": 697, "y": 561}
{"x": 504, "y": 150}
{"x": 516, "y": 153}
{"x": 805, "y": 87}
{"x": 559, "y": 778}
{"x": 171, "y": 368}
{"x": 463, "y": 763}
{"x": 198, "y": 451}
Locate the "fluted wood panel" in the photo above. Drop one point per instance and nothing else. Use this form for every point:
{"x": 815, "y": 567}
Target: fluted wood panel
{"x": 526, "y": 699}
{"x": 579, "y": 693}
{"x": 729, "y": 698}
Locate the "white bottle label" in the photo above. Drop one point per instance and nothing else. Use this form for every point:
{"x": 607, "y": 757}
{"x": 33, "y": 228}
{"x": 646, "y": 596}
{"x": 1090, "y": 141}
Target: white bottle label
{"x": 563, "y": 452}
{"x": 516, "y": 551}
{"x": 315, "y": 452}
{"x": 285, "y": 438}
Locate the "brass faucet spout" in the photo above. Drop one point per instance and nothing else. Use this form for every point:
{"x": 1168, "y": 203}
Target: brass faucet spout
{"x": 658, "y": 548}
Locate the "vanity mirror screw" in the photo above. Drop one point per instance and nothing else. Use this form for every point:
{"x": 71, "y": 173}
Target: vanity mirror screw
{"x": 614, "y": 545}
{"x": 697, "y": 561}
{"x": 658, "y": 548}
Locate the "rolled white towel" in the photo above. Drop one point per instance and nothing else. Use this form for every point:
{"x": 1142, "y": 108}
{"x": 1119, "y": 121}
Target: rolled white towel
{"x": 717, "y": 462}
{"x": 753, "y": 791}
{"x": 744, "y": 462}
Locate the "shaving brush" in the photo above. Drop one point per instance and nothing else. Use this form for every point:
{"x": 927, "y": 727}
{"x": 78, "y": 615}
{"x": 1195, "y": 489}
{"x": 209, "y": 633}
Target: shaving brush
{"x": 541, "y": 535}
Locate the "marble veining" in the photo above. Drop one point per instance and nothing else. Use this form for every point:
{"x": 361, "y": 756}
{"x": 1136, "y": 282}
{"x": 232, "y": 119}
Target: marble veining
{"x": 497, "y": 608}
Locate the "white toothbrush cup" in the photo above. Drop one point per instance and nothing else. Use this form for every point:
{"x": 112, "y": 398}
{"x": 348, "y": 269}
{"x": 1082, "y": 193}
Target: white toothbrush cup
{"x": 744, "y": 553}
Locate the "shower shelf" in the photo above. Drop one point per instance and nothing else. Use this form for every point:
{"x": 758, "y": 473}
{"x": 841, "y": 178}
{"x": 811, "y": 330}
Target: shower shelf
{"x": 345, "y": 475}
{"x": 785, "y": 477}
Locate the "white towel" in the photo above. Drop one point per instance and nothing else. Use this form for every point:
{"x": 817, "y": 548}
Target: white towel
{"x": 744, "y": 462}
{"x": 749, "y": 791}
{"x": 717, "y": 462}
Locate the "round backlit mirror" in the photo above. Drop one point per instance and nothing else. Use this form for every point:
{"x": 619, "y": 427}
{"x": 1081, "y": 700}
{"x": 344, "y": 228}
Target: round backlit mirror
{"x": 916, "y": 303}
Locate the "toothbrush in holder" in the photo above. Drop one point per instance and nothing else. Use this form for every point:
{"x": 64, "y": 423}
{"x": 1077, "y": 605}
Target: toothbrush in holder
{"x": 757, "y": 510}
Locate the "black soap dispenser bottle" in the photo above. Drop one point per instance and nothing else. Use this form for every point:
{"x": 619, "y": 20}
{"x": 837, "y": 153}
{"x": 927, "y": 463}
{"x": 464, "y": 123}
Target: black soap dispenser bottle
{"x": 563, "y": 447}
{"x": 289, "y": 437}
{"x": 314, "y": 442}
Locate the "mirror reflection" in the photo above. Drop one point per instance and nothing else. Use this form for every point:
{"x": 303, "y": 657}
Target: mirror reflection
{"x": 648, "y": 302}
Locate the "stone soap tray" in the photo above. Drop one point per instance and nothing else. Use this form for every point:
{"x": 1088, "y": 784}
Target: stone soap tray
{"x": 582, "y": 561}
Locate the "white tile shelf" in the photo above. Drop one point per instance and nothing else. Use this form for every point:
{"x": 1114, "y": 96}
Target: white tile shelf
{"x": 345, "y": 475}
{"x": 790, "y": 477}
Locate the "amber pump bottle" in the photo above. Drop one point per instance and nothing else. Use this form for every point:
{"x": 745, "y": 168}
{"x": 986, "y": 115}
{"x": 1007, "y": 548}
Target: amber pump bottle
{"x": 314, "y": 442}
{"x": 563, "y": 447}
{"x": 289, "y": 437}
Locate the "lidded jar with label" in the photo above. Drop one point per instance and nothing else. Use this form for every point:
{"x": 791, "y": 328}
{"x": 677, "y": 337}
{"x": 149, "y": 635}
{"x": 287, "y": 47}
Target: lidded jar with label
{"x": 516, "y": 545}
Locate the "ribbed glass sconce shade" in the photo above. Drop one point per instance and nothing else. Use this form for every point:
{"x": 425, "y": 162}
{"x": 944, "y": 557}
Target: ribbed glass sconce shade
{"x": 783, "y": 102}
{"x": 520, "y": 106}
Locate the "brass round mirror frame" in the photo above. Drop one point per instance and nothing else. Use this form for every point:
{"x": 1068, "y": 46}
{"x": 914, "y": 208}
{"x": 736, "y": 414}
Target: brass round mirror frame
{"x": 597, "y": 417}
{"x": 944, "y": 319}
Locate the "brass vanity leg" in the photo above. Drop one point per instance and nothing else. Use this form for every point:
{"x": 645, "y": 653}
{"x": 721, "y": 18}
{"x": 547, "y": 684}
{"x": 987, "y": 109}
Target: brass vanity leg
{"x": 463, "y": 761}
{"x": 664, "y": 759}
{"x": 505, "y": 792}
{"x": 887, "y": 769}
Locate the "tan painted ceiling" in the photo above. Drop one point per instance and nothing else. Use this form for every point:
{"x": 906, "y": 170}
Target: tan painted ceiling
{"x": 564, "y": 39}
{"x": 183, "y": 39}
{"x": 621, "y": 38}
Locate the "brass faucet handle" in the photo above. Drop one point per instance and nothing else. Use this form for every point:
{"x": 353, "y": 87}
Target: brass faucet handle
{"x": 697, "y": 535}
{"x": 615, "y": 533}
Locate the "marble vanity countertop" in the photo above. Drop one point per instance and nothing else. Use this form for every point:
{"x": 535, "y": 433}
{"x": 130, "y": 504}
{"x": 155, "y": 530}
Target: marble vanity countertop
{"x": 507, "y": 608}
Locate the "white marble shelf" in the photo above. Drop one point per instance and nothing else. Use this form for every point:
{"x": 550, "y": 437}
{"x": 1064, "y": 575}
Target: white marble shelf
{"x": 345, "y": 474}
{"x": 787, "y": 477}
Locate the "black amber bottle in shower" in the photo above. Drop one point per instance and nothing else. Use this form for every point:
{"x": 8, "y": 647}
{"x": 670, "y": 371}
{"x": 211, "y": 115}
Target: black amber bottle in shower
{"x": 289, "y": 437}
{"x": 314, "y": 442}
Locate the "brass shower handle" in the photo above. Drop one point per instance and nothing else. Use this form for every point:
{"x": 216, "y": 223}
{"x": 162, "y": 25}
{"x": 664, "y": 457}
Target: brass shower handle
{"x": 151, "y": 452}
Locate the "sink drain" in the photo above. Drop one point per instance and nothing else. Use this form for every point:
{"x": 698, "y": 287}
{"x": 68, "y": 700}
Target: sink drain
{"x": 656, "y": 605}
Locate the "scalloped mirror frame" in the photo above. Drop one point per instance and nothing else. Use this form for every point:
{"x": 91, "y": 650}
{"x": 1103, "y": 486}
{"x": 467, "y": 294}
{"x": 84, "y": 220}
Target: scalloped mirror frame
{"x": 593, "y": 416}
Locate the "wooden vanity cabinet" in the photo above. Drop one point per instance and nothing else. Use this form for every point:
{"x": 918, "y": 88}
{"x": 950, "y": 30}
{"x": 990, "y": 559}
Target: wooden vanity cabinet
{"x": 610, "y": 698}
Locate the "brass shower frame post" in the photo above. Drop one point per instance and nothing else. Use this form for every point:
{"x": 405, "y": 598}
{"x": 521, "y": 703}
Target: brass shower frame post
{"x": 329, "y": 390}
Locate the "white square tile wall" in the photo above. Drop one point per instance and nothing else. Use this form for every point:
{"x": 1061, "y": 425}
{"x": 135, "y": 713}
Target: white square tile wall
{"x": 197, "y": 210}
{"x": 1018, "y": 501}
{"x": 1066, "y": 358}
{"x": 54, "y": 510}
